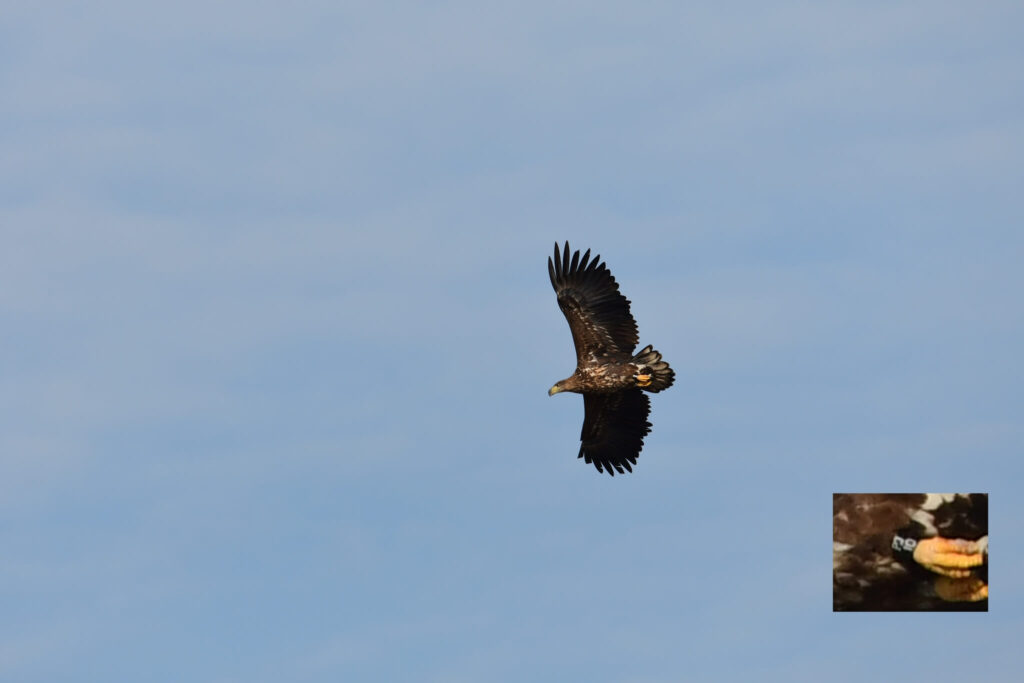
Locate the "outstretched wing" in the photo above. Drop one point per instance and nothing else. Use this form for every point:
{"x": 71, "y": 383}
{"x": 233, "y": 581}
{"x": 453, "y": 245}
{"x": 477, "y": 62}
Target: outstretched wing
{"x": 614, "y": 426}
{"x": 597, "y": 312}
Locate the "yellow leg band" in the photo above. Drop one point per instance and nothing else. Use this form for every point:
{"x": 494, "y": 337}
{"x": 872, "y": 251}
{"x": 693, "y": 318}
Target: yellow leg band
{"x": 952, "y": 557}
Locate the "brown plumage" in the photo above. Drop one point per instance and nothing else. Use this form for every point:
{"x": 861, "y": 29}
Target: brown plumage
{"x": 611, "y": 379}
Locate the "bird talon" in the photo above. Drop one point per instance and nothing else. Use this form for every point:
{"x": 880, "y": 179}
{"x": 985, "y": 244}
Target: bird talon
{"x": 970, "y": 589}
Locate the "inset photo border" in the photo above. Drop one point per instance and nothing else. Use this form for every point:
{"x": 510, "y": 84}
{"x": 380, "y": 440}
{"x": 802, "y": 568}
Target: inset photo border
{"x": 910, "y": 552}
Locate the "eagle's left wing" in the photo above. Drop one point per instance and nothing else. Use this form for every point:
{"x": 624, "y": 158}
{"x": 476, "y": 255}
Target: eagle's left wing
{"x": 597, "y": 312}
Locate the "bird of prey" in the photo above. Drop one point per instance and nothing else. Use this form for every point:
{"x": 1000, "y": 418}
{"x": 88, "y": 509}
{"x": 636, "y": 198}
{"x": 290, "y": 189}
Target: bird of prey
{"x": 909, "y": 551}
{"x": 608, "y": 374}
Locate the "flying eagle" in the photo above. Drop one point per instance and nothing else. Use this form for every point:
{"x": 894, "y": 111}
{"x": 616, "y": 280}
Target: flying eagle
{"x": 611, "y": 379}
{"x": 909, "y": 552}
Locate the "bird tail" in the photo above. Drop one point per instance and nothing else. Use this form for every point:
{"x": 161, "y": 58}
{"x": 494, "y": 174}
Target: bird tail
{"x": 653, "y": 374}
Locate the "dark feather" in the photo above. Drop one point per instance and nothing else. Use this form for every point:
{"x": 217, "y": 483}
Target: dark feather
{"x": 614, "y": 426}
{"x": 598, "y": 314}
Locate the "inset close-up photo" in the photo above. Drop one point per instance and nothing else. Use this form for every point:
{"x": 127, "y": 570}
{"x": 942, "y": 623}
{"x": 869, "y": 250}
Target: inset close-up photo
{"x": 910, "y": 552}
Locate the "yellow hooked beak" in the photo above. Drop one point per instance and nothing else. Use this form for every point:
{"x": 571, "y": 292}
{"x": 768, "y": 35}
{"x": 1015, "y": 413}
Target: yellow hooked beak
{"x": 554, "y": 390}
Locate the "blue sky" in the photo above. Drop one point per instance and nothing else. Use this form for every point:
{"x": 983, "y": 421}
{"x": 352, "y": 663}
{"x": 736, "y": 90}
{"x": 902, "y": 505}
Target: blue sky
{"x": 277, "y": 334}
